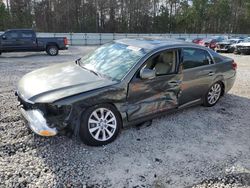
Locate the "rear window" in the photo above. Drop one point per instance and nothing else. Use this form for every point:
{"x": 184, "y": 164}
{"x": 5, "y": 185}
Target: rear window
{"x": 216, "y": 57}
{"x": 195, "y": 58}
{"x": 27, "y": 34}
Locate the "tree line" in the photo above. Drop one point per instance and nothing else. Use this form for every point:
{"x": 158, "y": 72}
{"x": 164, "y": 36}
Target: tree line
{"x": 130, "y": 16}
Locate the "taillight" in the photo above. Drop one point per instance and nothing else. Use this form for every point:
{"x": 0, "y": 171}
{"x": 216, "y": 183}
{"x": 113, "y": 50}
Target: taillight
{"x": 65, "y": 41}
{"x": 234, "y": 65}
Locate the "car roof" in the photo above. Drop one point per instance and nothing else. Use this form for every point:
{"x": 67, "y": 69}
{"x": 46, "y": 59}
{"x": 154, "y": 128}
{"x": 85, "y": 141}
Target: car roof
{"x": 235, "y": 39}
{"x": 152, "y": 43}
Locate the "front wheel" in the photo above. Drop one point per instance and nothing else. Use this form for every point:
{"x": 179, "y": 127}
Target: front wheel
{"x": 52, "y": 50}
{"x": 100, "y": 125}
{"x": 213, "y": 95}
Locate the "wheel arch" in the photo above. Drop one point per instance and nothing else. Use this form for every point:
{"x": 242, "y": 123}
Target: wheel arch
{"x": 222, "y": 86}
{"x": 220, "y": 79}
{"x": 52, "y": 44}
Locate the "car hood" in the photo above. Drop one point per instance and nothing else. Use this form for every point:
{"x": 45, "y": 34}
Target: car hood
{"x": 52, "y": 83}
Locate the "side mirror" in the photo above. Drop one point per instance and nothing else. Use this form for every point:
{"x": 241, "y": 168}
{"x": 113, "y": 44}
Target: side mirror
{"x": 4, "y": 37}
{"x": 147, "y": 74}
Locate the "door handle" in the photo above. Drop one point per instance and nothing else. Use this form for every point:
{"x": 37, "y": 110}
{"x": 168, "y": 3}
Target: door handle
{"x": 211, "y": 73}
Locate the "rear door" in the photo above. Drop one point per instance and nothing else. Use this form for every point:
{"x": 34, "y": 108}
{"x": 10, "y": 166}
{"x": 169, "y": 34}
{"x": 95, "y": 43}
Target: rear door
{"x": 151, "y": 96}
{"x": 27, "y": 40}
{"x": 9, "y": 41}
{"x": 198, "y": 74}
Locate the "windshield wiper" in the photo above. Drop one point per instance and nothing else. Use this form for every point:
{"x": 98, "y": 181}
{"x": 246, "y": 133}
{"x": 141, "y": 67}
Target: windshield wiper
{"x": 78, "y": 61}
{"x": 90, "y": 70}
{"x": 96, "y": 73}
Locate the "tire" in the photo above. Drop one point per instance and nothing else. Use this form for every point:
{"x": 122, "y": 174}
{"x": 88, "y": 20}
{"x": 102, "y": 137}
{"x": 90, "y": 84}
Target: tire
{"x": 52, "y": 50}
{"x": 100, "y": 125}
{"x": 213, "y": 95}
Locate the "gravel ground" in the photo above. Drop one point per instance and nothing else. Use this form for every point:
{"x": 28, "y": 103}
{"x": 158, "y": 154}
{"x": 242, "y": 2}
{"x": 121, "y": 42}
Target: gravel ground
{"x": 197, "y": 147}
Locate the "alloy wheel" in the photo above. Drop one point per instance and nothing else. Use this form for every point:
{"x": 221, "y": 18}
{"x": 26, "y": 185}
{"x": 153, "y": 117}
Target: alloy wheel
{"x": 102, "y": 124}
{"x": 53, "y": 51}
{"x": 214, "y": 94}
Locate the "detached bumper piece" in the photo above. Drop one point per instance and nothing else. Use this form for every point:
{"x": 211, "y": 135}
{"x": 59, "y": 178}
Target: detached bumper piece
{"x": 38, "y": 123}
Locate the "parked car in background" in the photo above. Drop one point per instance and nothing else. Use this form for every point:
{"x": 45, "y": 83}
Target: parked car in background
{"x": 126, "y": 82}
{"x": 25, "y": 40}
{"x": 181, "y": 39}
{"x": 211, "y": 42}
{"x": 227, "y": 45}
{"x": 197, "y": 40}
{"x": 237, "y": 37}
{"x": 189, "y": 40}
{"x": 243, "y": 47}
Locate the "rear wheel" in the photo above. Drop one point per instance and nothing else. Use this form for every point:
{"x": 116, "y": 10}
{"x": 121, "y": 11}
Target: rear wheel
{"x": 100, "y": 125}
{"x": 52, "y": 50}
{"x": 213, "y": 95}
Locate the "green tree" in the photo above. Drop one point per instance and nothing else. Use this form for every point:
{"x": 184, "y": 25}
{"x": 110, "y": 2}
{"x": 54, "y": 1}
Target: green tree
{"x": 21, "y": 13}
{"x": 4, "y": 16}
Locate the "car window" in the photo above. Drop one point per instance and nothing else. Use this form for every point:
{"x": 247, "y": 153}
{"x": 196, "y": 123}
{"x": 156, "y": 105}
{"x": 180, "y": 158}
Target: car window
{"x": 195, "y": 58}
{"x": 11, "y": 35}
{"x": 217, "y": 58}
{"x": 26, "y": 34}
{"x": 163, "y": 63}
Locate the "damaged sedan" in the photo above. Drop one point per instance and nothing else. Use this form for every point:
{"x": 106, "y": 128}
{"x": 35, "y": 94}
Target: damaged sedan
{"x": 227, "y": 45}
{"x": 126, "y": 82}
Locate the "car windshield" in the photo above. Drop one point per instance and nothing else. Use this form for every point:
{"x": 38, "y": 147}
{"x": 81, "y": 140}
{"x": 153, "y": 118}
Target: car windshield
{"x": 113, "y": 60}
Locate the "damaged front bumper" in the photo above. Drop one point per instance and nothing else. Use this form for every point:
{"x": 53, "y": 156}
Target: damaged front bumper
{"x": 38, "y": 123}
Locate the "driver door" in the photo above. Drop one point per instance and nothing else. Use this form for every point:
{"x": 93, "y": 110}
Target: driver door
{"x": 151, "y": 96}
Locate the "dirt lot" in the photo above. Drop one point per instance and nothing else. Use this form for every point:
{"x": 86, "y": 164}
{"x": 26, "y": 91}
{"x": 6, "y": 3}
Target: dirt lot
{"x": 196, "y": 147}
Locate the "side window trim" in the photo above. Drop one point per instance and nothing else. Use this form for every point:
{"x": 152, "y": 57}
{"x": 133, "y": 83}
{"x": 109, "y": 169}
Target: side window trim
{"x": 211, "y": 56}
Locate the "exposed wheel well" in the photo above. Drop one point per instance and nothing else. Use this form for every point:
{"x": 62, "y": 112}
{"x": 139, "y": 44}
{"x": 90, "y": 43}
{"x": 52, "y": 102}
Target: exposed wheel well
{"x": 117, "y": 111}
{"x": 223, "y": 87}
